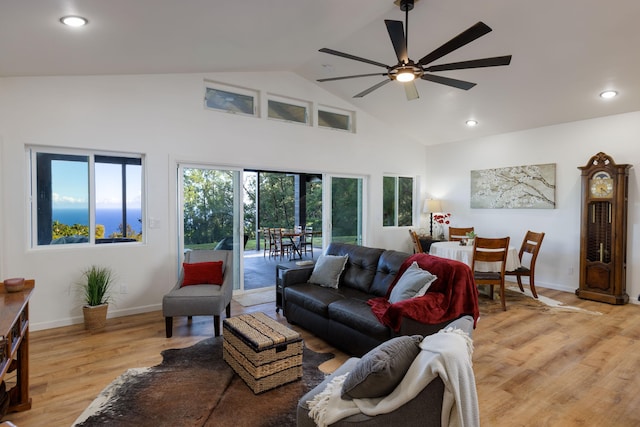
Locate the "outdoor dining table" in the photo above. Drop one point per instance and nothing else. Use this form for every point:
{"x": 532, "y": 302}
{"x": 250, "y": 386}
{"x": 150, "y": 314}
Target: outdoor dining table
{"x": 292, "y": 234}
{"x": 453, "y": 250}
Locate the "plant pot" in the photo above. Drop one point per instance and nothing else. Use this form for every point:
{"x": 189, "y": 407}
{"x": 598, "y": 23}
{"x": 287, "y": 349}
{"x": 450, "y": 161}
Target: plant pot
{"x": 95, "y": 317}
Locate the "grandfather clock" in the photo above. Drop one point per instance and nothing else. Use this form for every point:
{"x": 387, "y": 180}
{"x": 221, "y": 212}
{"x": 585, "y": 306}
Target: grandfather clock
{"x": 603, "y": 236}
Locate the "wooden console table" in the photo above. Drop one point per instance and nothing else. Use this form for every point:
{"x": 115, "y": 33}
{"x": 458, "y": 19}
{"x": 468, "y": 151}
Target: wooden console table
{"x": 14, "y": 344}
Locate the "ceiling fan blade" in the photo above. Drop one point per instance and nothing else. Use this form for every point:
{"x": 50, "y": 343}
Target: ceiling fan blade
{"x": 355, "y": 58}
{"x": 474, "y": 63}
{"x": 371, "y": 89}
{"x": 350, "y": 77}
{"x": 396, "y": 33}
{"x": 476, "y": 31}
{"x": 460, "y": 84}
{"x": 411, "y": 91}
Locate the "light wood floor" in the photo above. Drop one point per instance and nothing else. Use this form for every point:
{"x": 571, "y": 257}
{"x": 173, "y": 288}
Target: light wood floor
{"x": 532, "y": 368}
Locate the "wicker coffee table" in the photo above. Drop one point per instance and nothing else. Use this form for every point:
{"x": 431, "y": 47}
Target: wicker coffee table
{"x": 263, "y": 352}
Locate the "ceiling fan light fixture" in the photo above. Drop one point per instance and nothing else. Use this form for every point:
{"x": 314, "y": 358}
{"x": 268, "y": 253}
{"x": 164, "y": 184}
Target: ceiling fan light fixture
{"x": 405, "y": 76}
{"x": 406, "y": 70}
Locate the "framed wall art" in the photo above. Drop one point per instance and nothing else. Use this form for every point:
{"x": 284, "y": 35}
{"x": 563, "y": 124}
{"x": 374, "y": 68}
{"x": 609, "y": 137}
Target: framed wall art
{"x": 517, "y": 187}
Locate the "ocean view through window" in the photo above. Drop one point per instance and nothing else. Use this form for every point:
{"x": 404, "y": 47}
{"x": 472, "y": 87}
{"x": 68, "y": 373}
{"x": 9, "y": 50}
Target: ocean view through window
{"x": 69, "y": 186}
{"x": 111, "y": 219}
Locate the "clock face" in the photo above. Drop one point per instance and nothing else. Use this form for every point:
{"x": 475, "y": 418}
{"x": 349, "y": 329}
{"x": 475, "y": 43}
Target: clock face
{"x": 601, "y": 185}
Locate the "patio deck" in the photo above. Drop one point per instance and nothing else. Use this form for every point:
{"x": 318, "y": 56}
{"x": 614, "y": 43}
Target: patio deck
{"x": 260, "y": 270}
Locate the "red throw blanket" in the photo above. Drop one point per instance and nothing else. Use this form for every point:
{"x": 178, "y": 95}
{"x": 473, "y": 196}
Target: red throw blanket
{"x": 452, "y": 295}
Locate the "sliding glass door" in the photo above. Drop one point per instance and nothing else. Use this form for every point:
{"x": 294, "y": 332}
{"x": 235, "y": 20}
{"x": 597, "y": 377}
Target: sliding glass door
{"x": 210, "y": 211}
{"x": 346, "y": 209}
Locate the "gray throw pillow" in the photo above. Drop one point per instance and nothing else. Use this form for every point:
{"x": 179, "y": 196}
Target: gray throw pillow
{"x": 328, "y": 269}
{"x": 380, "y": 371}
{"x": 413, "y": 280}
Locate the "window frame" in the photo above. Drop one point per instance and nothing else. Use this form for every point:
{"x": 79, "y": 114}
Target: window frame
{"x": 37, "y": 166}
{"x": 337, "y": 111}
{"x": 236, "y": 90}
{"x": 397, "y": 200}
{"x": 293, "y": 102}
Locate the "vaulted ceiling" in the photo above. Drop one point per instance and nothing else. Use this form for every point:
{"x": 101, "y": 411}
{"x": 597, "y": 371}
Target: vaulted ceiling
{"x": 564, "y": 52}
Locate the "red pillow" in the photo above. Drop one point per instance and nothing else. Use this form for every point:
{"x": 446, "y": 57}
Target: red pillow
{"x": 202, "y": 273}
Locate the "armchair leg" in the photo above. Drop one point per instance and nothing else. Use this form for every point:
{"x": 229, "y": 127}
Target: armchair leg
{"x": 168, "y": 321}
{"x": 228, "y": 310}
{"x": 216, "y": 326}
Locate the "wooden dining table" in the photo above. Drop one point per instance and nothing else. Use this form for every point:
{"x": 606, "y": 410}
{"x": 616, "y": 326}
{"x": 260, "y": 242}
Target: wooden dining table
{"x": 453, "y": 250}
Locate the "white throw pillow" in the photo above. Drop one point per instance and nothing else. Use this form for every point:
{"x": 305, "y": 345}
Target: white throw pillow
{"x": 413, "y": 280}
{"x": 328, "y": 269}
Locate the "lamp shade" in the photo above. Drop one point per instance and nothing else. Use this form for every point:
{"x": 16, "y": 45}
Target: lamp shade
{"x": 432, "y": 206}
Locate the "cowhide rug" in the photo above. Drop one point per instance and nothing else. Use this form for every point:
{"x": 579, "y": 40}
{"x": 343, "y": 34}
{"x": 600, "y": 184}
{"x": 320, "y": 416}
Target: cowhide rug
{"x": 195, "y": 387}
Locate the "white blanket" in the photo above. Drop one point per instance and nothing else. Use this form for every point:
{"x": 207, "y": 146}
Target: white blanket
{"x": 446, "y": 354}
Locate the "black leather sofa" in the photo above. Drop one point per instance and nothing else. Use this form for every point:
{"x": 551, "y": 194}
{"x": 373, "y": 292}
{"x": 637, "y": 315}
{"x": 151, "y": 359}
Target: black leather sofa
{"x": 342, "y": 316}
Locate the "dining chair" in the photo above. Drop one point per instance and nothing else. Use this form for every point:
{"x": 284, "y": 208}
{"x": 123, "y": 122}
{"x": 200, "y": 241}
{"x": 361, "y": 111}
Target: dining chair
{"x": 459, "y": 233}
{"x": 417, "y": 246}
{"x": 266, "y": 239}
{"x": 528, "y": 256}
{"x": 491, "y": 250}
{"x": 283, "y": 243}
{"x": 274, "y": 242}
{"x": 306, "y": 240}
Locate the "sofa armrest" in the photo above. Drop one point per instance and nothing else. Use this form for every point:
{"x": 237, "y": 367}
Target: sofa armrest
{"x": 302, "y": 413}
{"x": 293, "y": 276}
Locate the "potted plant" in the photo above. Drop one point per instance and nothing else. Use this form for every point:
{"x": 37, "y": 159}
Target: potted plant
{"x": 96, "y": 290}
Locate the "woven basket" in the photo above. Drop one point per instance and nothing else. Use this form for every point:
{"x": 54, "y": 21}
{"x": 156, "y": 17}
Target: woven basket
{"x": 95, "y": 317}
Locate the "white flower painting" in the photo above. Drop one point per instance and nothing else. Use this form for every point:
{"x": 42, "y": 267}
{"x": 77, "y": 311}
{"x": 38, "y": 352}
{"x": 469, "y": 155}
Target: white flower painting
{"x": 518, "y": 187}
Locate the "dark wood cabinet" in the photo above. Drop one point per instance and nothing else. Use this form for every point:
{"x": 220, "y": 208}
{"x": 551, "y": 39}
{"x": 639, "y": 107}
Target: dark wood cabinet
{"x": 14, "y": 345}
{"x": 603, "y": 235}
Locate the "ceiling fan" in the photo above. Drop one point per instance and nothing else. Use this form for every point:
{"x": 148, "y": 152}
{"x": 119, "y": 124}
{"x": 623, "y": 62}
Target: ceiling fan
{"x": 406, "y": 70}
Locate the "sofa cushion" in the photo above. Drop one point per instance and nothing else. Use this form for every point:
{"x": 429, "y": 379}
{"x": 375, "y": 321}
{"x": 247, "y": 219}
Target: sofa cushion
{"x": 312, "y": 297}
{"x": 379, "y": 371}
{"x": 413, "y": 280}
{"x": 356, "y": 314}
{"x": 361, "y": 267}
{"x": 388, "y": 266}
{"x": 328, "y": 269}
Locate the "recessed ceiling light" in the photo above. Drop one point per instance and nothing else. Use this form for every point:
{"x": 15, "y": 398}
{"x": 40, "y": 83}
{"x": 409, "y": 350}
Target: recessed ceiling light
{"x": 608, "y": 94}
{"x": 471, "y": 123}
{"x": 74, "y": 21}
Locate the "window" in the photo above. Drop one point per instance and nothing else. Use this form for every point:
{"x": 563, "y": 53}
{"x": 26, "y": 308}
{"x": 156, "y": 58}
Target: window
{"x": 85, "y": 198}
{"x": 230, "y": 99}
{"x": 397, "y": 201}
{"x": 287, "y": 109}
{"x": 335, "y": 118}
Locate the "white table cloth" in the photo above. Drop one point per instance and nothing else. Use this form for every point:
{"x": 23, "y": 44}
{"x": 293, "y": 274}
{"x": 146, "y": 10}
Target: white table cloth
{"x": 453, "y": 250}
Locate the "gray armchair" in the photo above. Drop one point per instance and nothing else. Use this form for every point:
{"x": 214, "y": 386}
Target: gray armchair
{"x": 200, "y": 300}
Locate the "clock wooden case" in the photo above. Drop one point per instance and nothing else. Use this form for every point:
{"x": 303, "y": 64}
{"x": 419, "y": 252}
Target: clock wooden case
{"x": 603, "y": 236}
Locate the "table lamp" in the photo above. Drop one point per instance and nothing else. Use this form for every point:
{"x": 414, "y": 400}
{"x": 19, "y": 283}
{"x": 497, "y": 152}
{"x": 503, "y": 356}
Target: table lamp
{"x": 431, "y": 206}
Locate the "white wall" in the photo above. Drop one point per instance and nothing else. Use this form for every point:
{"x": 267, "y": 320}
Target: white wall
{"x": 162, "y": 116}
{"x": 568, "y": 146}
